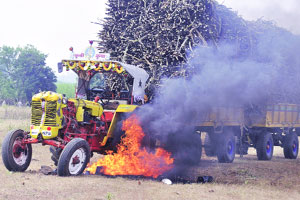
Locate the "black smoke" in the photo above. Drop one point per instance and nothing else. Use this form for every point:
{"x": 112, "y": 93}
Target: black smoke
{"x": 222, "y": 77}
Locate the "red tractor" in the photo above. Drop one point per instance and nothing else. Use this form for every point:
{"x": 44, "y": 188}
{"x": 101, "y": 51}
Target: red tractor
{"x": 75, "y": 128}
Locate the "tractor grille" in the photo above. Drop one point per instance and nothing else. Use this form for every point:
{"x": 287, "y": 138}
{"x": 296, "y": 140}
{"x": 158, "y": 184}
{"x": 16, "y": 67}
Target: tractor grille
{"x": 50, "y": 119}
{"x": 36, "y": 113}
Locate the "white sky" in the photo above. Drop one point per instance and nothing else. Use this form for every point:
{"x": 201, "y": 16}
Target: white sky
{"x": 285, "y": 13}
{"x": 53, "y": 26}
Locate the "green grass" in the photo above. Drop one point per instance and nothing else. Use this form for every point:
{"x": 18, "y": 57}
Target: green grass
{"x": 13, "y": 118}
{"x": 14, "y": 112}
{"x": 66, "y": 88}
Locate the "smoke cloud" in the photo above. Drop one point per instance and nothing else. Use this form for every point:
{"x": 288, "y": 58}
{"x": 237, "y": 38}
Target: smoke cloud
{"x": 283, "y": 13}
{"x": 221, "y": 78}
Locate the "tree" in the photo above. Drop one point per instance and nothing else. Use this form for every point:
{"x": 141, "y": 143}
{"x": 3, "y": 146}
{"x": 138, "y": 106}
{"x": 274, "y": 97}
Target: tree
{"x": 7, "y": 61}
{"x": 24, "y": 73}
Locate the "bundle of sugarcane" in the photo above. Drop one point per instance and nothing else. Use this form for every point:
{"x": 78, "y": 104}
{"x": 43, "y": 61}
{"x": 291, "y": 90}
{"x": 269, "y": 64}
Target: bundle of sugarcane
{"x": 160, "y": 35}
{"x": 157, "y": 33}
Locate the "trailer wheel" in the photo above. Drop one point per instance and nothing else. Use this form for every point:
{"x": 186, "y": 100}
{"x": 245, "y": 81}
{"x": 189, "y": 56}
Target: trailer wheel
{"x": 16, "y": 156}
{"x": 265, "y": 146}
{"x": 209, "y": 149}
{"x": 291, "y": 146}
{"x": 74, "y": 158}
{"x": 226, "y": 148}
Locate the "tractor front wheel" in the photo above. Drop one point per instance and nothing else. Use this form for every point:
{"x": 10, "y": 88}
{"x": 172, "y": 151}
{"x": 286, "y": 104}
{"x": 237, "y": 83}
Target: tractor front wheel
{"x": 74, "y": 158}
{"x": 16, "y": 155}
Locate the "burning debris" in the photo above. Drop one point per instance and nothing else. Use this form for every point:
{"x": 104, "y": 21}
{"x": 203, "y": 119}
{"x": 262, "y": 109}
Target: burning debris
{"x": 131, "y": 158}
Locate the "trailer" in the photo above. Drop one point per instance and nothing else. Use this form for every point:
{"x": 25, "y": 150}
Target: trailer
{"x": 232, "y": 130}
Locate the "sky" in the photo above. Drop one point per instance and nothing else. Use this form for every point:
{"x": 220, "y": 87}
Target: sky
{"x": 54, "y": 26}
{"x": 283, "y": 13}
{"x": 51, "y": 26}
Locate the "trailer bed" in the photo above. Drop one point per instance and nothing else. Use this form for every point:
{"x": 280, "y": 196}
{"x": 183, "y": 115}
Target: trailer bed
{"x": 271, "y": 116}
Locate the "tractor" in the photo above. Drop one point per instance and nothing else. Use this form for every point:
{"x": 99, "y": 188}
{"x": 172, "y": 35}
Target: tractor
{"x": 75, "y": 128}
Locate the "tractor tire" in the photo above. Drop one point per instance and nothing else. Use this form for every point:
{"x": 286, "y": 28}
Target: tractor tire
{"x": 291, "y": 146}
{"x": 209, "y": 148}
{"x": 226, "y": 148}
{"x": 55, "y": 154}
{"x": 74, "y": 158}
{"x": 15, "y": 155}
{"x": 265, "y": 146}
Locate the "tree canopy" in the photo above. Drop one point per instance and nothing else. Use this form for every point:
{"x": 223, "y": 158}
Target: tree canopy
{"x": 23, "y": 72}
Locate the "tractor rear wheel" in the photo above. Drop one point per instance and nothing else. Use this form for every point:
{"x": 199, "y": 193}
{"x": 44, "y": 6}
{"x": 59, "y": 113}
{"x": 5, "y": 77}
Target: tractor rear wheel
{"x": 209, "y": 146}
{"x": 226, "y": 148}
{"x": 55, "y": 154}
{"x": 265, "y": 146}
{"x": 74, "y": 158}
{"x": 16, "y": 155}
{"x": 291, "y": 146}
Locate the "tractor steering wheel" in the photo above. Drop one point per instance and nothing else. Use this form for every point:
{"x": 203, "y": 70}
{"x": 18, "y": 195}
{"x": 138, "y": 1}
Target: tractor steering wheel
{"x": 100, "y": 93}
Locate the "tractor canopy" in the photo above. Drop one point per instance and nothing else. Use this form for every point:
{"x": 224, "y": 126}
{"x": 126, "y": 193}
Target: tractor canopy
{"x": 108, "y": 79}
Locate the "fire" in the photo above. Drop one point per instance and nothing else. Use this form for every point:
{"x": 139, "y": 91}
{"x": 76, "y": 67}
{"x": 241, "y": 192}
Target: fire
{"x": 131, "y": 158}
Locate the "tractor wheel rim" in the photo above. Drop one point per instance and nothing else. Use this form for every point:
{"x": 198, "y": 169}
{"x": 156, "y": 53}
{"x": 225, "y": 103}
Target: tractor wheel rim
{"x": 19, "y": 153}
{"x": 77, "y": 161}
{"x": 268, "y": 147}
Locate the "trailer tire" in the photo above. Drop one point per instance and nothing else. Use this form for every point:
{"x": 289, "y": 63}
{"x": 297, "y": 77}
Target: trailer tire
{"x": 226, "y": 148}
{"x": 209, "y": 149}
{"x": 74, "y": 158}
{"x": 14, "y": 156}
{"x": 265, "y": 146}
{"x": 291, "y": 146}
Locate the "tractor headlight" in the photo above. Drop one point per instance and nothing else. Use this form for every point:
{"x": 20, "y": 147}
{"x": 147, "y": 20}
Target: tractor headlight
{"x": 64, "y": 100}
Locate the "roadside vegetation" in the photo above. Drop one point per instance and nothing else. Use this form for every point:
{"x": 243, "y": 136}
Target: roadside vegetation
{"x": 66, "y": 88}
{"x": 8, "y": 112}
{"x": 23, "y": 72}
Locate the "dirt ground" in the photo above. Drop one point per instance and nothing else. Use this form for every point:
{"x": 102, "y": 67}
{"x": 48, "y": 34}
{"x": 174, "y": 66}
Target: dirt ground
{"x": 246, "y": 178}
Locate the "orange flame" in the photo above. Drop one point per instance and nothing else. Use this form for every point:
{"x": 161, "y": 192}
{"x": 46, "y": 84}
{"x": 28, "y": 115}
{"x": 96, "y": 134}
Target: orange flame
{"x": 131, "y": 158}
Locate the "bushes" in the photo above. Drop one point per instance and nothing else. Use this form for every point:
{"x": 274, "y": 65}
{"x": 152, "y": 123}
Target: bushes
{"x": 66, "y": 88}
